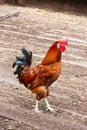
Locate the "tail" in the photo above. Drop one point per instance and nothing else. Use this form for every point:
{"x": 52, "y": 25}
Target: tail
{"x": 19, "y": 67}
{"x": 17, "y": 62}
{"x": 26, "y": 59}
{"x": 27, "y": 56}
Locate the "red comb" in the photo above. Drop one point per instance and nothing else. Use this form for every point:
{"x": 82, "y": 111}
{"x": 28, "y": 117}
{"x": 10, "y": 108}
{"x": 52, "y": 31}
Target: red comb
{"x": 64, "y": 41}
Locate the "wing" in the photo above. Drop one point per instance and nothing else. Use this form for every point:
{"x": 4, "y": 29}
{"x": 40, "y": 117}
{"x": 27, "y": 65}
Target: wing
{"x": 44, "y": 75}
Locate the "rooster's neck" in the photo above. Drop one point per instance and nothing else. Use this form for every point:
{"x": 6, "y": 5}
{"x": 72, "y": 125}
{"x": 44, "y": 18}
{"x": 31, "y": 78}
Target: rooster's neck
{"x": 53, "y": 55}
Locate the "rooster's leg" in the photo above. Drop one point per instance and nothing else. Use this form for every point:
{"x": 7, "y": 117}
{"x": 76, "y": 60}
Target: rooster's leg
{"x": 48, "y": 105}
{"x": 36, "y": 106}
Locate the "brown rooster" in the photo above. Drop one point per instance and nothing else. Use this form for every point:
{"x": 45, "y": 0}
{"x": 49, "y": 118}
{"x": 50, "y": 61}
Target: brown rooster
{"x": 39, "y": 78}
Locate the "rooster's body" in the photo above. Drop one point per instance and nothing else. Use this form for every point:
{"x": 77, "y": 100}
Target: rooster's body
{"x": 39, "y": 79}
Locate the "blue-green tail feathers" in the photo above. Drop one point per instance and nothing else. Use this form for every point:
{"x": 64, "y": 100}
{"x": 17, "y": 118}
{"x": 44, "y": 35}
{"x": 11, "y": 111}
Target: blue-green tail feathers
{"x": 21, "y": 61}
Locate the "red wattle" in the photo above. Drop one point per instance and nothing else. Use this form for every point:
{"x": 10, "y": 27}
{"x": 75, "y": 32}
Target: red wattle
{"x": 62, "y": 48}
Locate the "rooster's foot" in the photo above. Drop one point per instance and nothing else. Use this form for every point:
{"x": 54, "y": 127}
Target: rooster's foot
{"x": 36, "y": 110}
{"x": 50, "y": 109}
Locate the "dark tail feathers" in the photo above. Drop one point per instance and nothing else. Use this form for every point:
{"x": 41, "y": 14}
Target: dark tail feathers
{"x": 27, "y": 56}
{"x": 21, "y": 61}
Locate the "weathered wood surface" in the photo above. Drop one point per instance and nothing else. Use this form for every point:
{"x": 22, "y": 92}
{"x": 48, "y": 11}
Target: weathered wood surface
{"x": 39, "y": 121}
{"x": 36, "y": 29}
{"x": 8, "y": 13}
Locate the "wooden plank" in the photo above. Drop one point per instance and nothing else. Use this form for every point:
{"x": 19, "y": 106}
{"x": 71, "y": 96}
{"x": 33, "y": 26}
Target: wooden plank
{"x": 8, "y": 13}
{"x": 36, "y": 120}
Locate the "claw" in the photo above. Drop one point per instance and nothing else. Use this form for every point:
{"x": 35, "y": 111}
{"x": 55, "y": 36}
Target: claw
{"x": 49, "y": 109}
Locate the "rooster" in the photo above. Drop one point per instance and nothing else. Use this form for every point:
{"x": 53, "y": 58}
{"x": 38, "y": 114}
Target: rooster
{"x": 39, "y": 78}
